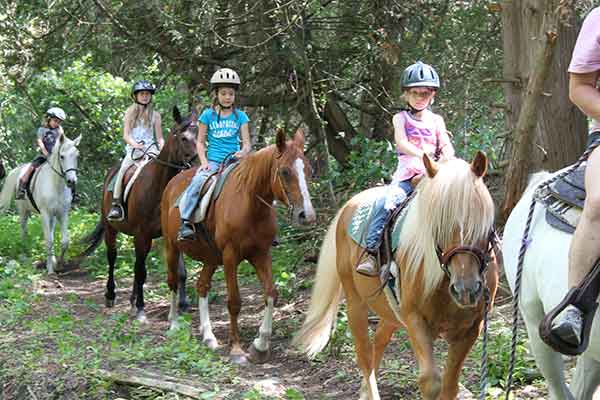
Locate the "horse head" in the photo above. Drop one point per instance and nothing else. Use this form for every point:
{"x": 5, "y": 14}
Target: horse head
{"x": 64, "y": 159}
{"x": 180, "y": 147}
{"x": 292, "y": 175}
{"x": 457, "y": 213}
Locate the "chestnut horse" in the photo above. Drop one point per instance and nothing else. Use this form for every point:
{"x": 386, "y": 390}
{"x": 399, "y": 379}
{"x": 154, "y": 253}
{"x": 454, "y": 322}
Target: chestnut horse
{"x": 242, "y": 225}
{"x": 441, "y": 260}
{"x": 143, "y": 209}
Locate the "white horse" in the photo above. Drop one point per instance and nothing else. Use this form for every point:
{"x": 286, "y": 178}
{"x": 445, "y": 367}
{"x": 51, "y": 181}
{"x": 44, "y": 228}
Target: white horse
{"x": 51, "y": 193}
{"x": 543, "y": 286}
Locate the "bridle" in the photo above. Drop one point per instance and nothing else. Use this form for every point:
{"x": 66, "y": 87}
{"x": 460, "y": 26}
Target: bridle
{"x": 483, "y": 257}
{"x": 63, "y": 172}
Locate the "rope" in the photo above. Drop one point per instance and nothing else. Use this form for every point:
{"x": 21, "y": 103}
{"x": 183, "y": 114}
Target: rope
{"x": 524, "y": 244}
{"x": 483, "y": 380}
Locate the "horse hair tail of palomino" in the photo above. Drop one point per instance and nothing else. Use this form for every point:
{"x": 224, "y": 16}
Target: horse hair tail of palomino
{"x": 92, "y": 240}
{"x": 326, "y": 296}
{"x": 9, "y": 188}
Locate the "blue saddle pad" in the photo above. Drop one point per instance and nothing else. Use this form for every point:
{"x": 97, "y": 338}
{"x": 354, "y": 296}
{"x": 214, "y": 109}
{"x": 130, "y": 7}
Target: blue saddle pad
{"x": 364, "y": 214}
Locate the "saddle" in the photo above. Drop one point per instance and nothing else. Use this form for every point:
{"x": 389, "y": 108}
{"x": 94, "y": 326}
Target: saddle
{"x": 129, "y": 178}
{"x": 563, "y": 199}
{"x": 29, "y": 185}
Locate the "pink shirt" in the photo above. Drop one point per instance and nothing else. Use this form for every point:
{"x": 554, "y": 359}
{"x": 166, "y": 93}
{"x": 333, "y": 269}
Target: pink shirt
{"x": 424, "y": 134}
{"x": 586, "y": 55}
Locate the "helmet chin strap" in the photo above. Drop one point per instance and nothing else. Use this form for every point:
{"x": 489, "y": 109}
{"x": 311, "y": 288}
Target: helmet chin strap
{"x": 414, "y": 110}
{"x": 224, "y": 107}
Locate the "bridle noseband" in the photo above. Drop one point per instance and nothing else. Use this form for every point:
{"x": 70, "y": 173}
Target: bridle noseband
{"x": 483, "y": 257}
{"x": 63, "y": 172}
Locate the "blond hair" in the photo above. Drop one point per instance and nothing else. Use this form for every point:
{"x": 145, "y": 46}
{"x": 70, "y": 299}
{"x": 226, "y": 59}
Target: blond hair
{"x": 46, "y": 124}
{"x": 136, "y": 113}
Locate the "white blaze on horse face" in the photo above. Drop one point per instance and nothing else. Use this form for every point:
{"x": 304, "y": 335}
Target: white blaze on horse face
{"x": 309, "y": 211}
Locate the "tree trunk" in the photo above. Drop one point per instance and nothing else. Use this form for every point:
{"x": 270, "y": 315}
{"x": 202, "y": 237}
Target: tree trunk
{"x": 558, "y": 133}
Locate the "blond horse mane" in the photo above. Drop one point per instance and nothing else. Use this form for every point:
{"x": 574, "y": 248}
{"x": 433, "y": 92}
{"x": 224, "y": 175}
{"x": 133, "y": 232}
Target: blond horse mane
{"x": 454, "y": 200}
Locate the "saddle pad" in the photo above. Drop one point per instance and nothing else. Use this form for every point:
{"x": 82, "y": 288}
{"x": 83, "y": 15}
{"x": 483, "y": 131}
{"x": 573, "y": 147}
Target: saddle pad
{"x": 113, "y": 180}
{"x": 357, "y": 229}
{"x": 215, "y": 186}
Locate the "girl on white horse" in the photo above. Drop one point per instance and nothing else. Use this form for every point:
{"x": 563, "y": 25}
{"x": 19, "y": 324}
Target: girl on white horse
{"x": 142, "y": 132}
{"x": 47, "y": 136}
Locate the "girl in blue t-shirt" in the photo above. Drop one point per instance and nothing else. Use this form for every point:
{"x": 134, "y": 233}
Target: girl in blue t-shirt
{"x": 220, "y": 126}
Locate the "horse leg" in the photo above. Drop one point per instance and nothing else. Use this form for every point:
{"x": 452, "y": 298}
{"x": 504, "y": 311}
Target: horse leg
{"x": 202, "y": 287}
{"x": 383, "y": 335}
{"x": 182, "y": 277}
{"x": 260, "y": 350}
{"x": 142, "y": 247}
{"x": 586, "y": 379}
{"x": 234, "y": 304}
{"x": 430, "y": 382}
{"x": 110, "y": 240}
{"x": 457, "y": 352}
{"x": 48, "y": 228}
{"x": 549, "y": 362}
{"x": 358, "y": 312}
{"x": 174, "y": 260}
{"x": 24, "y": 215}
{"x": 63, "y": 220}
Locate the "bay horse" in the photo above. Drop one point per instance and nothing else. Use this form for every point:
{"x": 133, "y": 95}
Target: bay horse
{"x": 143, "y": 210}
{"x": 441, "y": 260}
{"x": 544, "y": 284}
{"x": 242, "y": 225}
{"x": 52, "y": 195}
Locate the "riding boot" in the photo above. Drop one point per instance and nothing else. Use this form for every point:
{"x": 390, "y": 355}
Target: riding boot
{"x": 187, "y": 231}
{"x": 116, "y": 212}
{"x": 569, "y": 326}
{"x": 22, "y": 188}
{"x": 368, "y": 265}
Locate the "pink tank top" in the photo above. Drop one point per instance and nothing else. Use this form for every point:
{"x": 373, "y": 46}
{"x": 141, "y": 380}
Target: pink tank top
{"x": 427, "y": 135}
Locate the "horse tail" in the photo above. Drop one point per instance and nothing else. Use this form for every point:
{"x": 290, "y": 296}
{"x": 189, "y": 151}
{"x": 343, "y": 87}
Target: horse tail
{"x": 92, "y": 240}
{"x": 9, "y": 188}
{"x": 325, "y": 298}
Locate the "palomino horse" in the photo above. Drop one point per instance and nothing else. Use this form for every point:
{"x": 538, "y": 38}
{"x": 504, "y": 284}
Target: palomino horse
{"x": 51, "y": 194}
{"x": 543, "y": 286}
{"x": 441, "y": 260}
{"x": 242, "y": 224}
{"x": 143, "y": 211}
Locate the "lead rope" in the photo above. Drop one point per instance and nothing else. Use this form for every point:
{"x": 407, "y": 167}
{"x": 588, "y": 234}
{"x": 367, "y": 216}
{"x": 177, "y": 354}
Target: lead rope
{"x": 484, "y": 368}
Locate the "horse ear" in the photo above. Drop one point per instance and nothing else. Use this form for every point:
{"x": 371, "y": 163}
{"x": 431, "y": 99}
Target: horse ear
{"x": 177, "y": 115}
{"x": 299, "y": 139}
{"x": 77, "y": 140}
{"x": 194, "y": 115}
{"x": 479, "y": 164}
{"x": 431, "y": 167}
{"x": 280, "y": 140}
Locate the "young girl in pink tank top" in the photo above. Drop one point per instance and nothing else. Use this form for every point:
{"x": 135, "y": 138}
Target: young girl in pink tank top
{"x": 417, "y": 131}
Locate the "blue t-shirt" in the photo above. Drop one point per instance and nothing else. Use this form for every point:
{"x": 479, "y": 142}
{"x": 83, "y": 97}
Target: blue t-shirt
{"x": 223, "y": 134}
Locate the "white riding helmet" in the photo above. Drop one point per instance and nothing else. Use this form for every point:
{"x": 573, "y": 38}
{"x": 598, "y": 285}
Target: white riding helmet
{"x": 225, "y": 77}
{"x": 56, "y": 112}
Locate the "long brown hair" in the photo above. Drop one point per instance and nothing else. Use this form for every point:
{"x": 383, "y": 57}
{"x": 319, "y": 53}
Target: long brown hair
{"x": 214, "y": 104}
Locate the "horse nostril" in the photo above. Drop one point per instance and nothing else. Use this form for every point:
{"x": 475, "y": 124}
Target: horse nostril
{"x": 302, "y": 215}
{"x": 454, "y": 291}
{"x": 477, "y": 288}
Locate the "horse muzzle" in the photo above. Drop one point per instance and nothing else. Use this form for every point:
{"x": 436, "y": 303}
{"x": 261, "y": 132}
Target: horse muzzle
{"x": 466, "y": 296}
{"x": 303, "y": 217}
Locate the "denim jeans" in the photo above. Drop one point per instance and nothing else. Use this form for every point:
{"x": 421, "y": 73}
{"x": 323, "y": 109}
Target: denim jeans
{"x": 189, "y": 199}
{"x": 395, "y": 194}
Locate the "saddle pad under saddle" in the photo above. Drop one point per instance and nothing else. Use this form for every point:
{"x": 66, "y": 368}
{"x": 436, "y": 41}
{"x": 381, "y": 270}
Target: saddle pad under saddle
{"x": 564, "y": 199}
{"x": 365, "y": 213}
{"x": 113, "y": 180}
{"x": 214, "y": 188}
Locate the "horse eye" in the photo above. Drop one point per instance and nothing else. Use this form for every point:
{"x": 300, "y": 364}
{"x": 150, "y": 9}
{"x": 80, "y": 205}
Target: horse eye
{"x": 286, "y": 173}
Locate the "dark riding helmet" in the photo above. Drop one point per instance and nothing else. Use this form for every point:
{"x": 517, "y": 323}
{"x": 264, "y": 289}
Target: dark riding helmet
{"x": 142, "y": 85}
{"x": 420, "y": 74}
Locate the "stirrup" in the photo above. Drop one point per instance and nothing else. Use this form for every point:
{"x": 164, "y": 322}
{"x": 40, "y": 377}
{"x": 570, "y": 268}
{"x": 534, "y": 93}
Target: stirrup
{"x": 187, "y": 231}
{"x": 368, "y": 267}
{"x": 584, "y": 298}
{"x": 21, "y": 193}
{"x": 116, "y": 207}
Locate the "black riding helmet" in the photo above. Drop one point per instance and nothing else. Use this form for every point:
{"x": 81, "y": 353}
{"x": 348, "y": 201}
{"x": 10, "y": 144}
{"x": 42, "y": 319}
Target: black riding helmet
{"x": 139, "y": 86}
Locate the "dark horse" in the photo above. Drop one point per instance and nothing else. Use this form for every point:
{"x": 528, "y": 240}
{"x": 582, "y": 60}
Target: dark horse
{"x": 143, "y": 209}
{"x": 242, "y": 224}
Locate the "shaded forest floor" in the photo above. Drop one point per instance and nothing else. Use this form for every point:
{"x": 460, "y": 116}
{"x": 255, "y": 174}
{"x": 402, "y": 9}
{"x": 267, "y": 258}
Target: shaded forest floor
{"x": 53, "y": 348}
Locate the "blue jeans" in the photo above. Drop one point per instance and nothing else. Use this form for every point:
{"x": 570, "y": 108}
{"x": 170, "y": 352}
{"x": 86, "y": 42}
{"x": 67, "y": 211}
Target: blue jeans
{"x": 396, "y": 193}
{"x": 189, "y": 199}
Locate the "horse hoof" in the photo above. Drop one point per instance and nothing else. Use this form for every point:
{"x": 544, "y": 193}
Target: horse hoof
{"x": 257, "y": 356}
{"x": 183, "y": 307}
{"x": 141, "y": 318}
{"x": 239, "y": 359}
{"x": 211, "y": 343}
{"x": 174, "y": 326}
{"x": 110, "y": 303}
